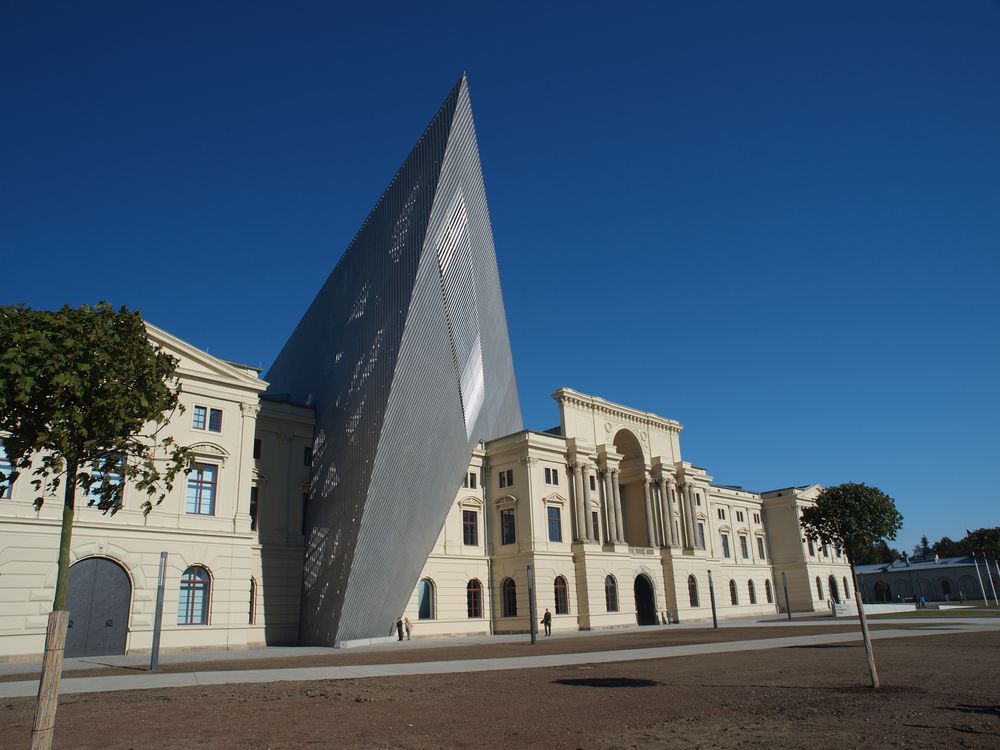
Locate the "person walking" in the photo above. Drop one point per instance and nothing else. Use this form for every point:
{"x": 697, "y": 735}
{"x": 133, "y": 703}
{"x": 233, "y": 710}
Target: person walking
{"x": 547, "y": 621}
{"x": 408, "y": 626}
{"x": 399, "y": 628}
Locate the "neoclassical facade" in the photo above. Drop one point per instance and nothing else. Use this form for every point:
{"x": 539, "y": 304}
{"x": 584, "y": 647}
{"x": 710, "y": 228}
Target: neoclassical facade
{"x": 618, "y": 531}
{"x": 231, "y": 530}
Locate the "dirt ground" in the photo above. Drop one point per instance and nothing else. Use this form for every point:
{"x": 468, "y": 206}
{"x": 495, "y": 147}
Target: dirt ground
{"x": 938, "y": 691}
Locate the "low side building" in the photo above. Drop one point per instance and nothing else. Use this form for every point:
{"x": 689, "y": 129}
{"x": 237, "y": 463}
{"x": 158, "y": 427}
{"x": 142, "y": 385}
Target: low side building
{"x": 937, "y": 579}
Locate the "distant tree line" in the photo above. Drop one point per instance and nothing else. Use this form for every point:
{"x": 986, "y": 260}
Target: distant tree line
{"x": 979, "y": 542}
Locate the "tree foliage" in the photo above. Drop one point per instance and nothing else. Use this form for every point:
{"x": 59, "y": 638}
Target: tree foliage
{"x": 84, "y": 396}
{"x": 983, "y": 542}
{"x": 880, "y": 552}
{"x": 852, "y": 516}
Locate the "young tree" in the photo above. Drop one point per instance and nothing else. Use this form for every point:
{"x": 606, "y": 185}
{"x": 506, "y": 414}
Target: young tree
{"x": 84, "y": 397}
{"x": 855, "y": 517}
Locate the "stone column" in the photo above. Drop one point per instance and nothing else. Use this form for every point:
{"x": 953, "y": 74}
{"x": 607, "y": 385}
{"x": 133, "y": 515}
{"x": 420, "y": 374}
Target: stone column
{"x": 581, "y": 512}
{"x": 587, "y": 512}
{"x": 619, "y": 523}
{"x": 689, "y": 512}
{"x": 650, "y": 529}
{"x": 609, "y": 506}
{"x": 668, "y": 505}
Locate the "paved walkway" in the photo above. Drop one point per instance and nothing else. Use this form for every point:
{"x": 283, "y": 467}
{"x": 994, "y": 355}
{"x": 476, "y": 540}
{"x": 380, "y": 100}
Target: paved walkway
{"x": 187, "y": 679}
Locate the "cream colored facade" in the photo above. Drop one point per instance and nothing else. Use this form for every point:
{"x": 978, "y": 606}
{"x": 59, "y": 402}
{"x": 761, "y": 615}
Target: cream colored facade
{"x": 254, "y": 573}
{"x": 619, "y": 530}
{"x": 635, "y": 533}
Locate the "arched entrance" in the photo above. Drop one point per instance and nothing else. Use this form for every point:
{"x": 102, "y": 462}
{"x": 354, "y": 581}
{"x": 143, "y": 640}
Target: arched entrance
{"x": 631, "y": 471}
{"x": 98, "y": 600}
{"x": 834, "y": 590}
{"x": 645, "y": 601}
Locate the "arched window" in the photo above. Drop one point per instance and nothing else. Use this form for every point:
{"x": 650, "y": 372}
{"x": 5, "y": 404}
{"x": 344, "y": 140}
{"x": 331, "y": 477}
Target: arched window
{"x": 425, "y": 599}
{"x": 693, "y": 591}
{"x": 508, "y": 598}
{"x": 611, "y": 593}
{"x": 196, "y": 589}
{"x": 562, "y": 600}
{"x": 767, "y": 591}
{"x": 253, "y": 601}
{"x": 819, "y": 588}
{"x": 752, "y": 591}
{"x": 847, "y": 590}
{"x": 474, "y": 598}
{"x": 834, "y": 592}
{"x": 733, "y": 595}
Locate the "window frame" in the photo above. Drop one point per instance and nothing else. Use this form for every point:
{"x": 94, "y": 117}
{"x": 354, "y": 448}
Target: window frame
{"x": 725, "y": 544}
{"x": 611, "y": 593}
{"x": 560, "y": 589}
{"x": 195, "y": 478}
{"x": 426, "y": 584}
{"x": 508, "y": 598}
{"x": 553, "y": 522}
{"x": 744, "y": 546}
{"x": 508, "y": 515}
{"x": 470, "y": 527}
{"x": 190, "y": 585}
{"x": 474, "y": 599}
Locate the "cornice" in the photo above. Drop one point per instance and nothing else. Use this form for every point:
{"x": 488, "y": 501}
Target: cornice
{"x": 617, "y": 411}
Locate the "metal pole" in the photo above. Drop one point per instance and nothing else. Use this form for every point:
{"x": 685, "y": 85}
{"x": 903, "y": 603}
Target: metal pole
{"x": 532, "y": 610}
{"x": 711, "y": 596}
{"x": 979, "y": 576}
{"x": 996, "y": 564}
{"x": 788, "y": 602}
{"x": 986, "y": 564}
{"x": 154, "y": 655}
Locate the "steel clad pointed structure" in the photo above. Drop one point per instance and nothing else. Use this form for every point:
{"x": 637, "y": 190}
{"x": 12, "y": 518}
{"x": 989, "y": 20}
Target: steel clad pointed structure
{"x": 405, "y": 356}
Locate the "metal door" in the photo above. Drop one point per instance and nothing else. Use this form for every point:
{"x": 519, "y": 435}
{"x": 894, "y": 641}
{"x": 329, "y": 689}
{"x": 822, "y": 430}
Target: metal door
{"x": 98, "y": 600}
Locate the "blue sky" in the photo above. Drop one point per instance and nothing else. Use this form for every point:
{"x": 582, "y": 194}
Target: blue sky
{"x": 783, "y": 218}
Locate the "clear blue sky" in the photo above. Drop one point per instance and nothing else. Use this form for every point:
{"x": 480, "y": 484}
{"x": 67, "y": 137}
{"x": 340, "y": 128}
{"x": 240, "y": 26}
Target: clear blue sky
{"x": 776, "y": 222}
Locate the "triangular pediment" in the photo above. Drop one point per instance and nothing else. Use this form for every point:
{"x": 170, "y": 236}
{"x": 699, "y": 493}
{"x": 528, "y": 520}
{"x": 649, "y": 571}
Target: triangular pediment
{"x": 199, "y": 364}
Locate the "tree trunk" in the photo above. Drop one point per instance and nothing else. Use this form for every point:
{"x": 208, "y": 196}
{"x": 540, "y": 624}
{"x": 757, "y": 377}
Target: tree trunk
{"x": 65, "y": 539}
{"x": 864, "y": 628}
{"x": 44, "y": 722}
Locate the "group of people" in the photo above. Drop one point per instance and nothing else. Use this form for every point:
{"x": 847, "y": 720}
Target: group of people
{"x": 403, "y": 623}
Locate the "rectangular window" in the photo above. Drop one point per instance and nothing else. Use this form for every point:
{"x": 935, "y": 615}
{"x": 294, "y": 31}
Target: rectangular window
{"x": 465, "y": 481}
{"x": 507, "y": 532}
{"x": 756, "y": 517}
{"x": 307, "y": 456}
{"x": 114, "y": 479}
{"x": 597, "y": 526}
{"x": 215, "y": 420}
{"x": 256, "y": 447}
{"x": 760, "y": 548}
{"x": 470, "y": 528}
{"x": 507, "y": 478}
{"x": 739, "y": 516}
{"x": 725, "y": 545}
{"x": 305, "y": 502}
{"x": 701, "y": 535}
{"x": 202, "y": 482}
{"x": 697, "y": 499}
{"x": 472, "y": 481}
{"x": 555, "y": 525}
{"x": 812, "y": 549}
{"x": 551, "y": 476}
{"x": 744, "y": 547}
{"x": 593, "y": 483}
{"x": 722, "y": 514}
{"x": 826, "y": 550}
{"x": 198, "y": 418}
{"x": 253, "y": 508}
{"x": 6, "y": 467}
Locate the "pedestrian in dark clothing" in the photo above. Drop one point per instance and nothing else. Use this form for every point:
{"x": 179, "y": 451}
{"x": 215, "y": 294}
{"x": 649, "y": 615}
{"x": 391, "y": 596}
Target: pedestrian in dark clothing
{"x": 399, "y": 628}
{"x": 547, "y": 621}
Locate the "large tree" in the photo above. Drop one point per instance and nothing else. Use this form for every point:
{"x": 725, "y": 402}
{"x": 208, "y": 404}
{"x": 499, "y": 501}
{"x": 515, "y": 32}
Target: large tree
{"x": 84, "y": 398}
{"x": 854, "y": 517}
